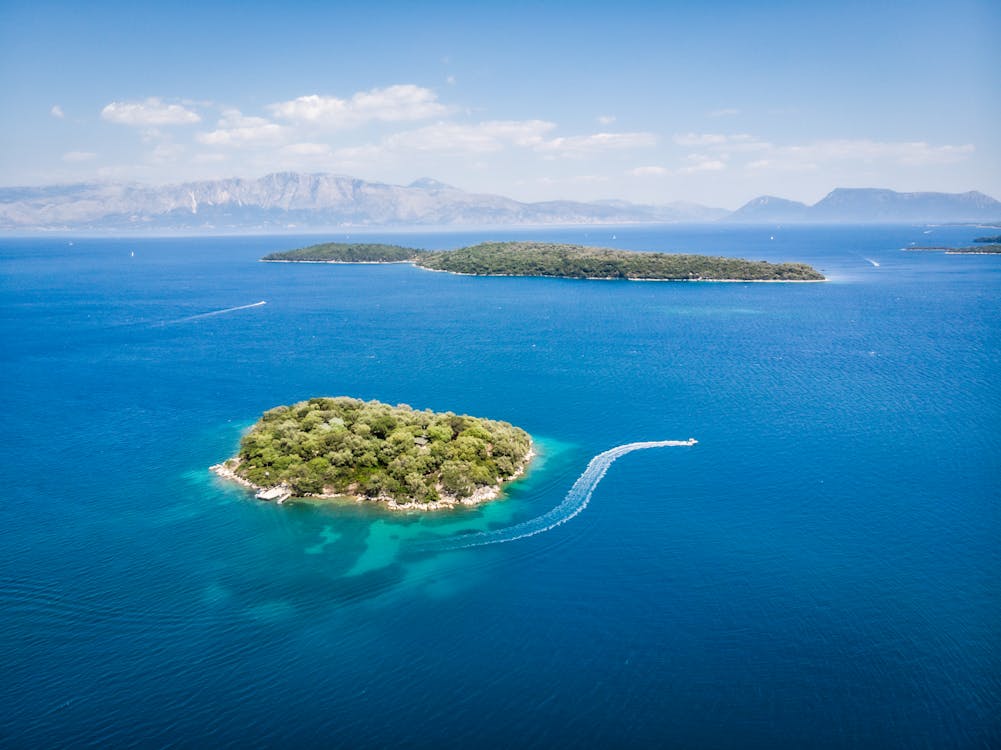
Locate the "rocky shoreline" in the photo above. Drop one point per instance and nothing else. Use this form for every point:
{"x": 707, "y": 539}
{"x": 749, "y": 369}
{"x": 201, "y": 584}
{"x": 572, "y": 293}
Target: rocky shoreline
{"x": 227, "y": 470}
{"x": 699, "y": 279}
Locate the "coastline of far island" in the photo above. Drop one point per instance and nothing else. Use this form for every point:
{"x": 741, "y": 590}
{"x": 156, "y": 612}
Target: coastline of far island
{"x": 555, "y": 260}
{"x": 404, "y": 459}
{"x": 985, "y": 249}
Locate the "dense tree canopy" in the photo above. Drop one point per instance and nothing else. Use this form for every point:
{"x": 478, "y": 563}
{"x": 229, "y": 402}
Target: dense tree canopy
{"x": 345, "y": 252}
{"x": 551, "y": 259}
{"x": 344, "y": 446}
{"x": 577, "y": 261}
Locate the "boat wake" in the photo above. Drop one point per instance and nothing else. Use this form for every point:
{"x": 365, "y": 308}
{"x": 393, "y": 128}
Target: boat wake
{"x": 215, "y": 312}
{"x": 576, "y": 500}
{"x": 874, "y": 263}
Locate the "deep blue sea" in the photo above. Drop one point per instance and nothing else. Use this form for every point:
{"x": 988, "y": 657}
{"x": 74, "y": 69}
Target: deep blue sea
{"x": 820, "y": 571}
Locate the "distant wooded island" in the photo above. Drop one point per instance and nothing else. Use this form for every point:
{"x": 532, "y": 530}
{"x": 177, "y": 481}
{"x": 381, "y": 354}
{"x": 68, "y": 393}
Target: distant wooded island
{"x": 556, "y": 260}
{"x": 347, "y": 252}
{"x": 996, "y": 239}
{"x": 975, "y": 250}
{"x": 405, "y": 458}
{"x": 972, "y": 250}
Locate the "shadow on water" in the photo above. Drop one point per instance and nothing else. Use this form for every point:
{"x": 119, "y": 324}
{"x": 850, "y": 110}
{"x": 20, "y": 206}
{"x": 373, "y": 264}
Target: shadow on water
{"x": 332, "y": 554}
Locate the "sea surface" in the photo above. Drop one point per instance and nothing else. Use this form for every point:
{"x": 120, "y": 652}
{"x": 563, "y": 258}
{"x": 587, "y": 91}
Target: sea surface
{"x": 820, "y": 571}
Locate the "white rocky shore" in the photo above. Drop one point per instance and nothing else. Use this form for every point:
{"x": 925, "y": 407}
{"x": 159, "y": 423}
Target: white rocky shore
{"x": 282, "y": 492}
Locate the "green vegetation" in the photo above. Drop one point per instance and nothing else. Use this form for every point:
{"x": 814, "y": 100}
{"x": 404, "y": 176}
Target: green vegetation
{"x": 343, "y": 252}
{"x": 569, "y": 261}
{"x": 996, "y": 239}
{"x": 579, "y": 262}
{"x": 565, "y": 260}
{"x": 344, "y": 446}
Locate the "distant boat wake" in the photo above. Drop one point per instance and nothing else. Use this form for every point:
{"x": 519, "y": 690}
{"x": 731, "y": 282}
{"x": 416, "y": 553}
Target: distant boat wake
{"x": 214, "y": 312}
{"x": 576, "y": 500}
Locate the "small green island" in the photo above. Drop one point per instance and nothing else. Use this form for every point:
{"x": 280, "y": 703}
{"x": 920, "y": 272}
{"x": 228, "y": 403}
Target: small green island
{"x": 366, "y": 450}
{"x": 995, "y": 240}
{"x": 549, "y": 259}
{"x": 346, "y": 252}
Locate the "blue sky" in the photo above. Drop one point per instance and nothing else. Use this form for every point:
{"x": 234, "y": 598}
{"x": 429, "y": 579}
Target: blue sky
{"x": 714, "y": 102}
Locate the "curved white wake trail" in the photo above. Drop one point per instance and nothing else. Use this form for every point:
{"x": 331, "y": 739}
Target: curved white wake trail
{"x": 576, "y": 500}
{"x": 216, "y": 312}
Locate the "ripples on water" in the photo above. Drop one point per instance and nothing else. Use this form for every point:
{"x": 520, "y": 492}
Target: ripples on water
{"x": 820, "y": 571}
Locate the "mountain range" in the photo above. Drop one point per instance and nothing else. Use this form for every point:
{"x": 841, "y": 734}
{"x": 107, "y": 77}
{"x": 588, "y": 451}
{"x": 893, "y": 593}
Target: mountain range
{"x": 291, "y": 201}
{"x": 871, "y": 205}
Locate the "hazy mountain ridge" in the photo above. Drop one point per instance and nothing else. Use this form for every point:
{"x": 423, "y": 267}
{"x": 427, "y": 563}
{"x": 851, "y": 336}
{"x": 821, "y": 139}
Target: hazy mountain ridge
{"x": 872, "y": 205}
{"x": 297, "y": 201}
{"x": 290, "y": 200}
{"x": 768, "y": 208}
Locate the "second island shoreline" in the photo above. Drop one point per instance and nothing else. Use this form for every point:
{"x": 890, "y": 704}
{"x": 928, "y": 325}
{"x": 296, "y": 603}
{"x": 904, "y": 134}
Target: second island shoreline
{"x": 556, "y": 260}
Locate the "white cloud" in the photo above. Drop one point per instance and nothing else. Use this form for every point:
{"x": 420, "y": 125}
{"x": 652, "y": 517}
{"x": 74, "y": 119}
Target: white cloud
{"x": 901, "y": 153}
{"x": 580, "y": 145}
{"x": 796, "y": 157}
{"x": 725, "y": 112}
{"x": 149, "y": 112}
{"x": 739, "y": 141}
{"x": 152, "y": 135}
{"x": 450, "y": 80}
{"x": 404, "y": 130}
{"x": 78, "y": 156}
{"x": 366, "y": 154}
{"x": 580, "y": 179}
{"x": 699, "y": 139}
{"x": 492, "y": 136}
{"x": 922, "y": 153}
{"x": 719, "y": 149}
{"x": 166, "y": 152}
{"x": 235, "y": 129}
{"x": 57, "y": 111}
{"x": 495, "y": 135}
{"x": 701, "y": 163}
{"x": 307, "y": 149}
{"x": 480, "y": 137}
{"x": 519, "y": 132}
{"x": 916, "y": 153}
{"x": 399, "y": 103}
{"x": 651, "y": 171}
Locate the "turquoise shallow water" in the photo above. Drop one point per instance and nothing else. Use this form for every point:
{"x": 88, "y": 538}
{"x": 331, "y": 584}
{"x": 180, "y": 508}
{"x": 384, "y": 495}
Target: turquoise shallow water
{"x": 820, "y": 570}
